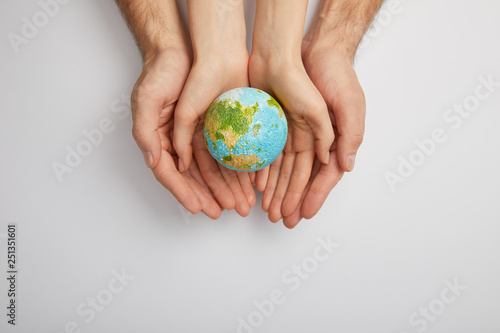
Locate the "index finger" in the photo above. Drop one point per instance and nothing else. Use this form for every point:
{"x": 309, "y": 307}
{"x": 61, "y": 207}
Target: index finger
{"x": 166, "y": 173}
{"x": 327, "y": 177}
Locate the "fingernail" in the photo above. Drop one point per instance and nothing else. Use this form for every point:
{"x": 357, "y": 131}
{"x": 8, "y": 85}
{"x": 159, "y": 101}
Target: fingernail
{"x": 350, "y": 160}
{"x": 181, "y": 166}
{"x": 148, "y": 158}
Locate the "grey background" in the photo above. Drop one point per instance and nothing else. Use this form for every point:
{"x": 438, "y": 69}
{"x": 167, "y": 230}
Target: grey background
{"x": 191, "y": 274}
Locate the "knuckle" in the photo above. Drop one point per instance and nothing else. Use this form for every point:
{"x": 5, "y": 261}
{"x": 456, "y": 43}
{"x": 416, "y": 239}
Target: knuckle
{"x": 146, "y": 85}
{"x": 356, "y": 139}
{"x": 302, "y": 177}
{"x": 315, "y": 110}
{"x": 185, "y": 115}
{"x": 140, "y": 93}
{"x": 138, "y": 134}
{"x": 329, "y": 135}
{"x": 356, "y": 97}
{"x": 186, "y": 112}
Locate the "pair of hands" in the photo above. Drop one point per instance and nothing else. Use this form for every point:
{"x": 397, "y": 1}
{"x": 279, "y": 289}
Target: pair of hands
{"x": 319, "y": 91}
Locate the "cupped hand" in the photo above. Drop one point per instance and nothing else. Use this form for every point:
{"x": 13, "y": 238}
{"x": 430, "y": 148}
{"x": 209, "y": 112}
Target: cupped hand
{"x": 210, "y": 77}
{"x": 310, "y": 132}
{"x": 154, "y": 99}
{"x": 332, "y": 73}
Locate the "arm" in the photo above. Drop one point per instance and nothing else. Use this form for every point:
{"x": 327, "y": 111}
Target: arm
{"x": 156, "y": 25}
{"x": 328, "y": 51}
{"x": 340, "y": 25}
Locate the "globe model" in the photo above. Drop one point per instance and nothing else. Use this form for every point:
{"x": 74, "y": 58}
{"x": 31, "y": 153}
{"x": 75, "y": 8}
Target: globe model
{"x": 245, "y": 129}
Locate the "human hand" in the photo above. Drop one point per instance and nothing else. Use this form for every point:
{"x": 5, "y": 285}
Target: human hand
{"x": 276, "y": 67}
{"x": 328, "y": 60}
{"x": 290, "y": 173}
{"x": 221, "y": 64}
{"x": 154, "y": 98}
{"x": 164, "y": 43}
{"x": 332, "y": 73}
{"x": 334, "y": 76}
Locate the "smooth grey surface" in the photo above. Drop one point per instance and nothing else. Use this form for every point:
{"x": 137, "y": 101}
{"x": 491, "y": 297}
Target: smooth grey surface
{"x": 397, "y": 249}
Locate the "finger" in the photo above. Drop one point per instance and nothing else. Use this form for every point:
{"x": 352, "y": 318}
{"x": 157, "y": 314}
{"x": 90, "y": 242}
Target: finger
{"x": 272, "y": 182}
{"x": 285, "y": 175}
{"x": 146, "y": 115}
{"x": 252, "y": 177}
{"x": 196, "y": 174}
{"x": 212, "y": 175}
{"x": 210, "y": 207}
{"x": 185, "y": 121}
{"x": 166, "y": 173}
{"x": 299, "y": 179}
{"x": 241, "y": 203}
{"x": 261, "y": 177}
{"x": 326, "y": 179}
{"x": 319, "y": 121}
{"x": 350, "y": 118}
{"x": 292, "y": 220}
{"x": 247, "y": 187}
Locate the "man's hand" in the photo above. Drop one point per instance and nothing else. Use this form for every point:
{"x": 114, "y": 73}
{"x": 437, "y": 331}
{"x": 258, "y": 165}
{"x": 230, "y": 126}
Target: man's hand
{"x": 167, "y": 54}
{"x": 276, "y": 67}
{"x": 328, "y": 51}
{"x": 153, "y": 103}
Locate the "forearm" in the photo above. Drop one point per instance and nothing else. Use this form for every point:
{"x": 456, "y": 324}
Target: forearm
{"x": 279, "y": 27}
{"x": 341, "y": 24}
{"x": 217, "y": 27}
{"x": 155, "y": 24}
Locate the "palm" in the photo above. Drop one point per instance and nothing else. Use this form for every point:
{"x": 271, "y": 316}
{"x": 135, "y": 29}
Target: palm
{"x": 206, "y": 81}
{"x": 159, "y": 88}
{"x": 335, "y": 78}
{"x": 289, "y": 174}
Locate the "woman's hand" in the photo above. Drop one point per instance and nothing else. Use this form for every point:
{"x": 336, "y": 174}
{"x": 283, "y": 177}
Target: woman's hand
{"x": 220, "y": 63}
{"x": 276, "y": 67}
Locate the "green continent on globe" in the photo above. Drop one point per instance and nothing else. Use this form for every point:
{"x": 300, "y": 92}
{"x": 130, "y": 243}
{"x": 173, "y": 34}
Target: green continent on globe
{"x": 273, "y": 103}
{"x": 228, "y": 121}
{"x": 243, "y": 162}
{"x": 256, "y": 128}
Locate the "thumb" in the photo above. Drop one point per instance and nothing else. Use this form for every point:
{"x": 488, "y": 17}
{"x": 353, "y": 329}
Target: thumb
{"x": 347, "y": 149}
{"x": 318, "y": 119}
{"x": 185, "y": 121}
{"x": 350, "y": 121}
{"x": 146, "y": 114}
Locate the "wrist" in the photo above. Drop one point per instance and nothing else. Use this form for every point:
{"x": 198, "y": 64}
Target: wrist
{"x": 276, "y": 55}
{"x": 181, "y": 49}
{"x": 219, "y": 50}
{"x": 215, "y": 29}
{"x": 340, "y": 25}
{"x": 322, "y": 38}
{"x": 314, "y": 49}
{"x": 212, "y": 40}
{"x": 278, "y": 29}
{"x": 276, "y": 45}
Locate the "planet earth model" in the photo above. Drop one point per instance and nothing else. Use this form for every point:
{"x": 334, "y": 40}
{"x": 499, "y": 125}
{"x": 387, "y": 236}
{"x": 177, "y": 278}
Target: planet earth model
{"x": 245, "y": 129}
